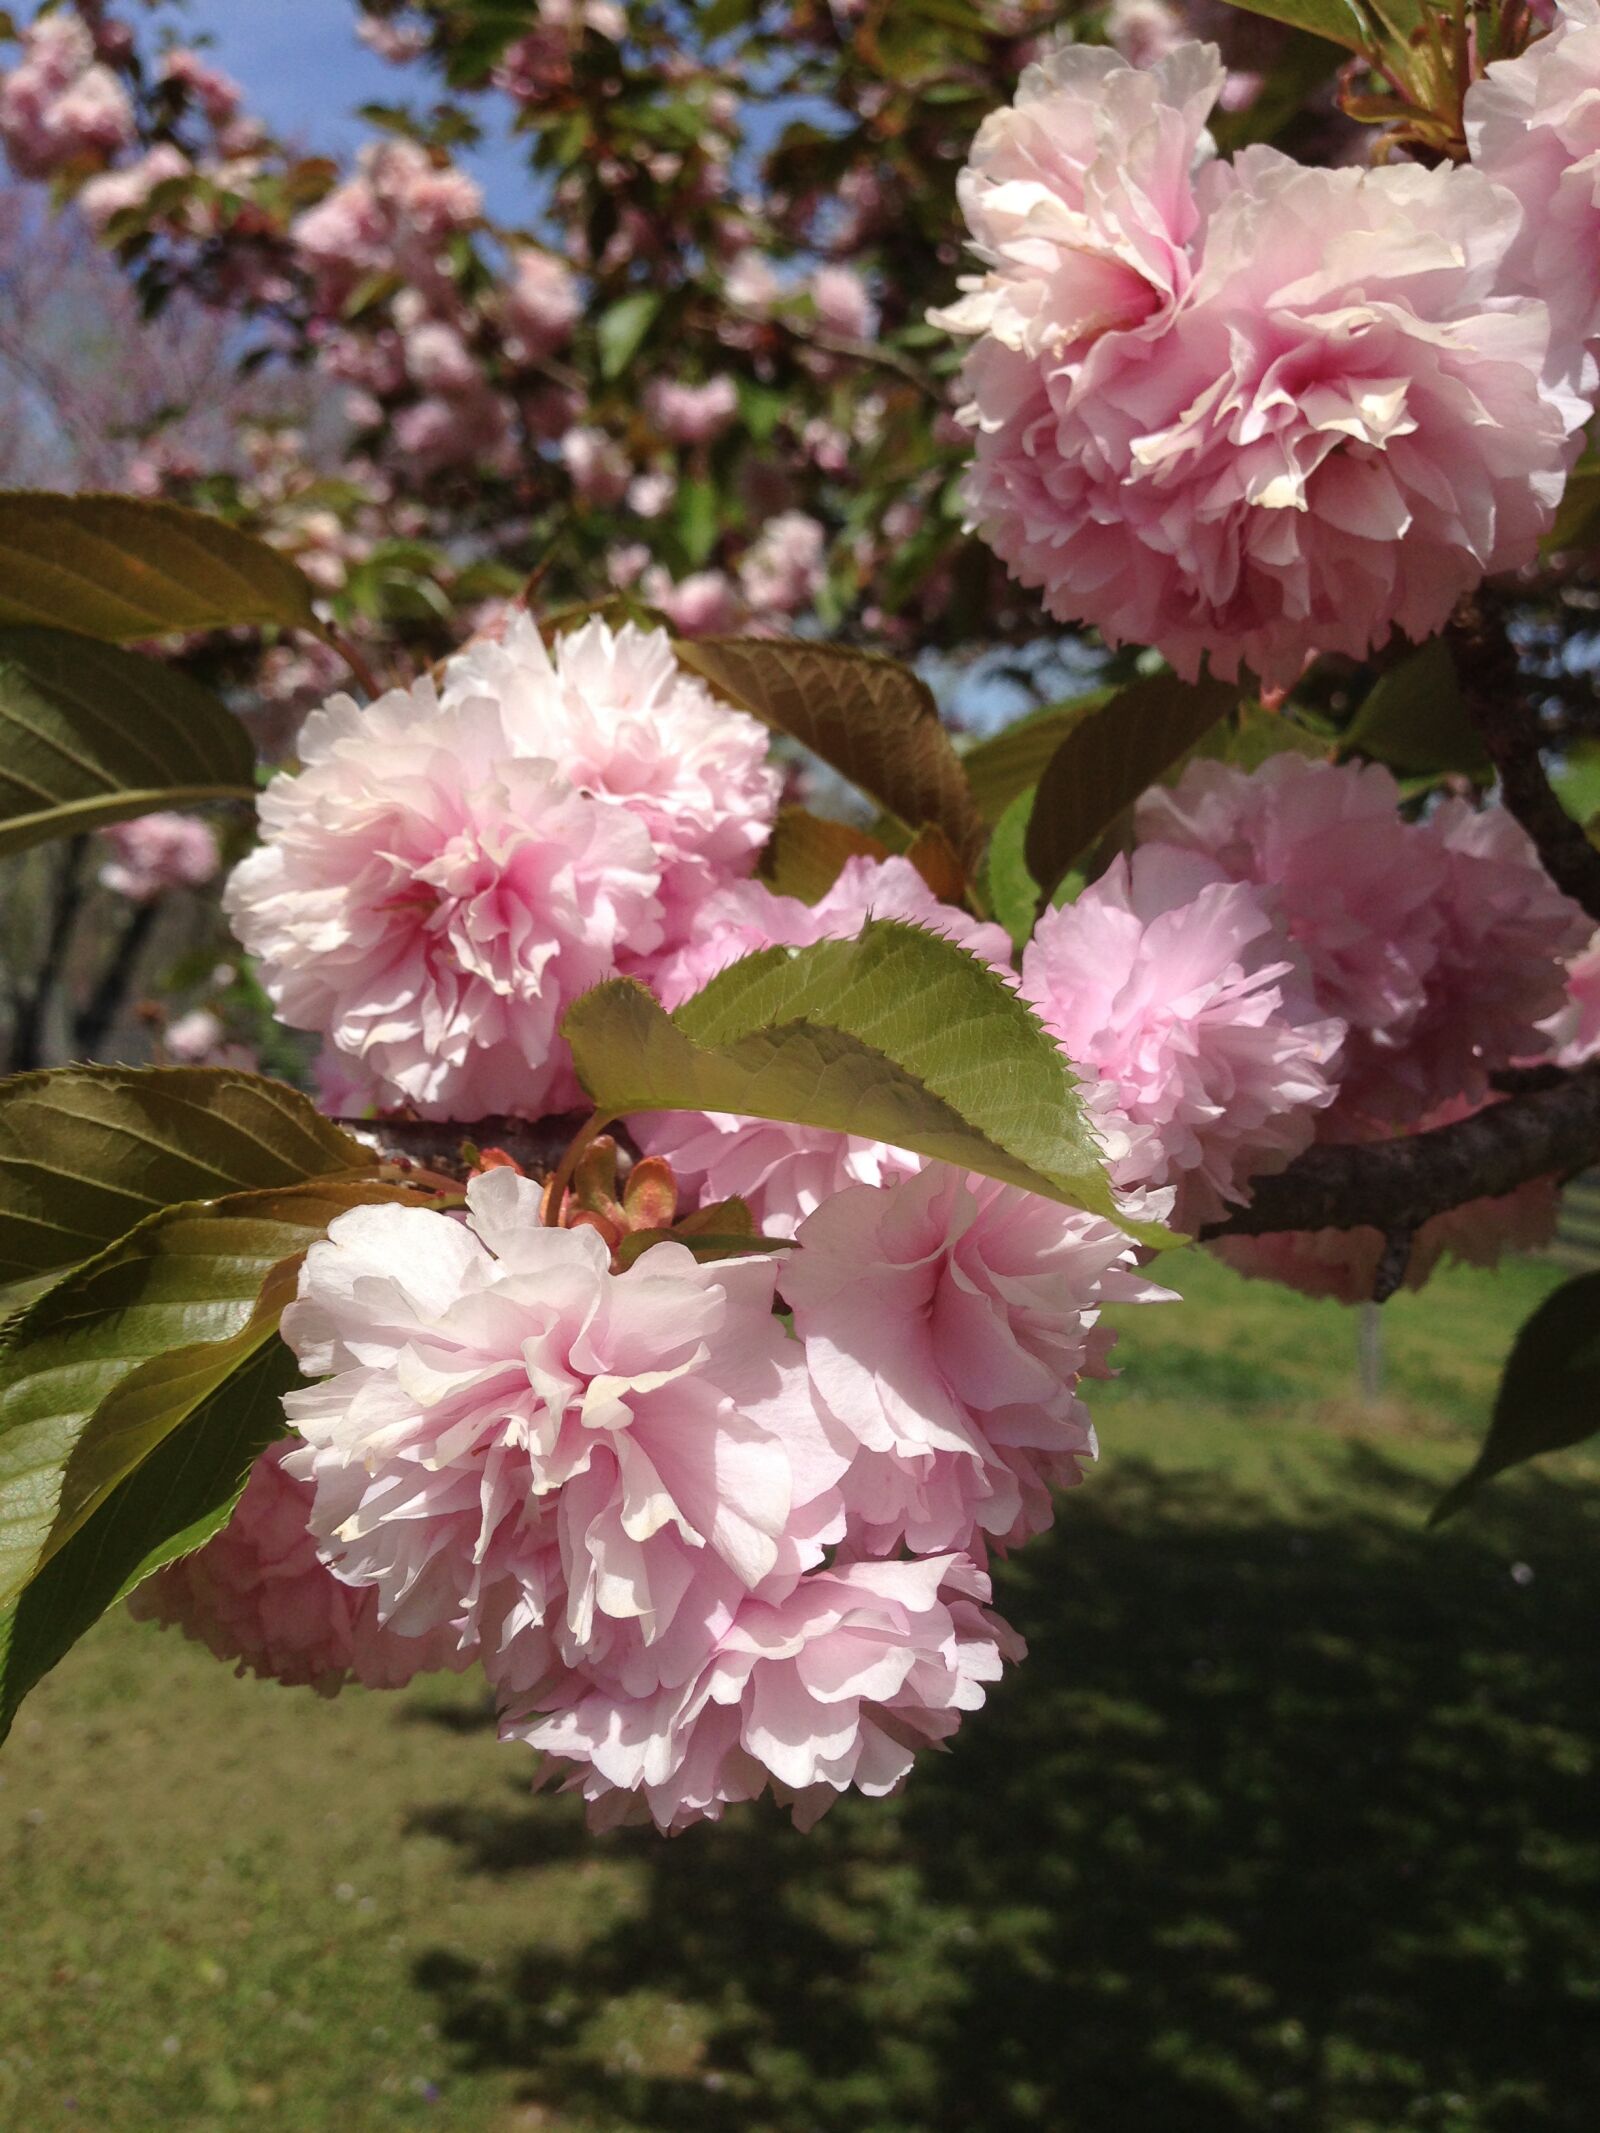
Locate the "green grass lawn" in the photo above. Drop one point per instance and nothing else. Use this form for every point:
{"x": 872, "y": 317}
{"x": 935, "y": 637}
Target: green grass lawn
{"x": 1289, "y": 1821}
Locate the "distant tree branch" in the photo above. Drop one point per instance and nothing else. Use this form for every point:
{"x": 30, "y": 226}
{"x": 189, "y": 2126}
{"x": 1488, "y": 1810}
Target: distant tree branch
{"x": 1397, "y": 1185}
{"x": 1496, "y": 696}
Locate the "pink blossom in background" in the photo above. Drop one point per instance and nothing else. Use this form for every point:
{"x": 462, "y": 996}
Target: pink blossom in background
{"x": 542, "y": 303}
{"x": 947, "y": 1322}
{"x": 843, "y": 302}
{"x": 1360, "y": 892}
{"x": 783, "y": 1172}
{"x": 557, "y": 1460}
{"x": 598, "y": 465}
{"x": 156, "y": 852}
{"x": 700, "y": 605}
{"x": 394, "y": 215}
{"x": 437, "y": 359}
{"x": 828, "y": 1685}
{"x": 692, "y": 414}
{"x": 783, "y": 569}
{"x": 431, "y": 894}
{"x": 1533, "y": 126}
{"x": 1249, "y": 412}
{"x": 1501, "y": 972}
{"x": 1177, "y": 987}
{"x": 58, "y": 105}
{"x": 114, "y": 191}
{"x": 1573, "y": 1031}
{"x": 623, "y": 722}
{"x": 259, "y": 1593}
{"x": 217, "y": 94}
{"x": 1343, "y": 1263}
{"x": 651, "y": 494}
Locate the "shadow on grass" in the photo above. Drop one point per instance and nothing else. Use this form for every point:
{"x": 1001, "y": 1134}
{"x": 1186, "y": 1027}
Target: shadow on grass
{"x": 1280, "y": 1826}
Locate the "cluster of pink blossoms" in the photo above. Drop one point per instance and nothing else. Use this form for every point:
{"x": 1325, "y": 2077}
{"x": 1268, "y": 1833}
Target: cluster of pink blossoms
{"x": 698, "y": 1559}
{"x": 59, "y": 105}
{"x": 1252, "y": 411}
{"x": 452, "y": 865}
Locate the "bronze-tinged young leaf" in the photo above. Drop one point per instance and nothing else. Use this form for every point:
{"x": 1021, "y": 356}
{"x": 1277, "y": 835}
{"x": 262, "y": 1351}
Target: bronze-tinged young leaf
{"x": 1108, "y": 758}
{"x": 868, "y": 717}
{"x": 1413, "y": 719}
{"x": 897, "y": 1035}
{"x": 88, "y": 1153}
{"x": 91, "y": 735}
{"x": 120, "y": 569}
{"x": 169, "y": 1506}
{"x": 187, "y": 1278}
{"x": 1013, "y": 761}
{"x": 1549, "y": 1396}
{"x": 806, "y": 853}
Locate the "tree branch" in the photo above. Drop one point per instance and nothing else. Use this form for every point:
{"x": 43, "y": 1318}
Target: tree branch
{"x": 1492, "y": 689}
{"x": 1398, "y": 1185}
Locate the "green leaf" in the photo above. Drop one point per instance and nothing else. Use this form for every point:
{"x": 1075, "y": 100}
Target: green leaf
{"x": 1549, "y": 1396}
{"x": 76, "y": 1397}
{"x": 1578, "y": 517}
{"x": 120, "y": 569}
{"x": 806, "y": 852}
{"x": 1341, "y": 21}
{"x": 622, "y": 329}
{"x": 698, "y": 520}
{"x": 896, "y": 1035}
{"x": 171, "y": 1505}
{"x": 868, "y": 717}
{"x": 1013, "y": 892}
{"x": 1414, "y": 720}
{"x": 90, "y": 734}
{"x": 1013, "y": 761}
{"x": 1108, "y": 757}
{"x": 88, "y": 1153}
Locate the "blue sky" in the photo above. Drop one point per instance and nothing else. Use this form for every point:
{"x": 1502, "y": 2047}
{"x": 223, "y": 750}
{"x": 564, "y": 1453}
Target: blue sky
{"x": 305, "y": 71}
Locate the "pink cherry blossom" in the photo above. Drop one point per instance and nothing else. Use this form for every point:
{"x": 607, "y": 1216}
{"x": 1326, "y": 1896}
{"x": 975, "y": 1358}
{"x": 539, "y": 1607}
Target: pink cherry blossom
{"x": 258, "y": 1593}
{"x": 1250, "y": 413}
{"x": 598, "y": 465}
{"x": 947, "y": 1322}
{"x": 844, "y": 305}
{"x": 692, "y": 414}
{"x": 1533, "y": 126}
{"x": 1080, "y": 200}
{"x": 830, "y": 1684}
{"x": 1177, "y": 987}
{"x": 1343, "y": 1263}
{"x": 58, "y": 105}
{"x": 156, "y": 852}
{"x": 622, "y": 721}
{"x": 1500, "y": 975}
{"x": 1360, "y": 891}
{"x": 1574, "y": 1030}
{"x": 783, "y": 569}
{"x": 512, "y": 1439}
{"x": 783, "y": 1171}
{"x": 108, "y": 195}
{"x": 700, "y": 605}
{"x": 431, "y": 893}
{"x": 542, "y": 304}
